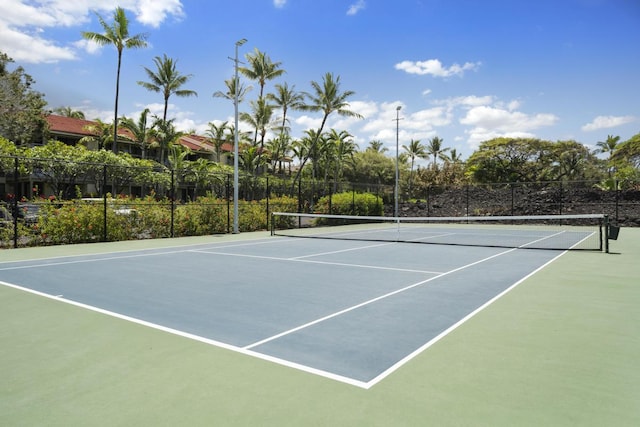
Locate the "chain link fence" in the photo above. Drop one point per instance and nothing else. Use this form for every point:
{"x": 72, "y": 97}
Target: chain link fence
{"x": 49, "y": 201}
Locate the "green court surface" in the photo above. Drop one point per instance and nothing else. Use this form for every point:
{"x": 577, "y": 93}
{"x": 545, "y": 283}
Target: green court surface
{"x": 562, "y": 348}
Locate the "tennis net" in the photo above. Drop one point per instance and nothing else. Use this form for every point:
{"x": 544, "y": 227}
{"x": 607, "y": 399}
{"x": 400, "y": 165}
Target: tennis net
{"x": 560, "y": 232}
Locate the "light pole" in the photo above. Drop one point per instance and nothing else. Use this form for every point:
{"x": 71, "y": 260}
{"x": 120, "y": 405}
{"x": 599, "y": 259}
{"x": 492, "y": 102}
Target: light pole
{"x": 397, "y": 191}
{"x": 235, "y": 141}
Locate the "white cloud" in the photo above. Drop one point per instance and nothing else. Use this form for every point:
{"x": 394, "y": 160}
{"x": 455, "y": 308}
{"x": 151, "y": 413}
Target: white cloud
{"x": 154, "y": 12}
{"x": 356, "y": 7}
{"x": 23, "y": 27}
{"x": 279, "y": 3}
{"x": 605, "y": 122}
{"x": 88, "y": 46}
{"x": 23, "y": 47}
{"x": 466, "y": 101}
{"x": 435, "y": 68}
{"x": 491, "y": 122}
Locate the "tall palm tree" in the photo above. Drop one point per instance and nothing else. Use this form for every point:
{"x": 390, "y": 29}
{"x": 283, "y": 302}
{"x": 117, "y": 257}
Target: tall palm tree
{"x": 260, "y": 120}
{"x": 140, "y": 130}
{"x": 231, "y": 90}
{"x": 415, "y": 149}
{"x": 168, "y": 80}
{"x": 435, "y": 149}
{"x": 117, "y": 35}
{"x": 327, "y": 99}
{"x": 261, "y": 69}
{"x": 286, "y": 98}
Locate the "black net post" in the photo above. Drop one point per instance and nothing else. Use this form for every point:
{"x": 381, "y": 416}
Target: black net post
{"x": 104, "y": 203}
{"x": 267, "y": 197}
{"x": 173, "y": 201}
{"x": 617, "y": 188}
{"x": 14, "y": 208}
{"x": 228, "y": 197}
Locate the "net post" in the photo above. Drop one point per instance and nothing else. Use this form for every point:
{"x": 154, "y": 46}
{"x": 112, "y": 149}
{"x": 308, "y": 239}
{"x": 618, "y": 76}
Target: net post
{"x": 272, "y": 223}
{"x": 606, "y": 233}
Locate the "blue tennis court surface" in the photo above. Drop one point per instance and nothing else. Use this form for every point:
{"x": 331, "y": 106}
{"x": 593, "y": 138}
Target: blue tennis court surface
{"x": 353, "y": 311}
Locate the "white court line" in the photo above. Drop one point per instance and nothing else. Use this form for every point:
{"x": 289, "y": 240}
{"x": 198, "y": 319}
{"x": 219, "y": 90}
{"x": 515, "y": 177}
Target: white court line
{"x": 451, "y": 328}
{"x": 310, "y": 261}
{"x": 247, "y": 349}
{"x": 130, "y": 254}
{"x": 343, "y": 250}
{"x": 381, "y": 297}
{"x": 194, "y": 337}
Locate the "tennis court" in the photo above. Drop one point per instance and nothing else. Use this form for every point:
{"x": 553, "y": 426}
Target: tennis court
{"x": 355, "y": 312}
{"x": 350, "y": 310}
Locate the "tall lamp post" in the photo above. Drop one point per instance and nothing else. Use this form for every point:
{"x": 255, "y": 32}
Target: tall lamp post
{"x": 235, "y": 141}
{"x": 397, "y": 190}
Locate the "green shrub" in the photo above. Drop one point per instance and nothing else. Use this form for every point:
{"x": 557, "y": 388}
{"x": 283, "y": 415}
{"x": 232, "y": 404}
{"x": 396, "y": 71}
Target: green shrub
{"x": 350, "y": 203}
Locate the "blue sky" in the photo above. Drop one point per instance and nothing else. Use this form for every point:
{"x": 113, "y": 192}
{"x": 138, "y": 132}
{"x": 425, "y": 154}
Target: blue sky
{"x": 464, "y": 70}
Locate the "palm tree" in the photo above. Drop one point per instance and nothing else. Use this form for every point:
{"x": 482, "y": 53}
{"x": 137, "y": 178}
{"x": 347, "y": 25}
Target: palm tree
{"x": 261, "y": 69}
{"x": 231, "y": 90}
{"x": 166, "y": 134}
{"x": 69, "y": 112}
{"x": 178, "y": 160}
{"x": 216, "y": 135}
{"x": 608, "y": 146}
{"x": 101, "y": 134}
{"x": 415, "y": 149}
{"x": 118, "y": 35}
{"x": 167, "y": 80}
{"x": 279, "y": 149}
{"x": 260, "y": 120}
{"x": 286, "y": 98}
{"x": 140, "y": 131}
{"x": 201, "y": 169}
{"x": 377, "y": 146}
{"x": 434, "y": 148}
{"x": 454, "y": 156}
{"x": 328, "y": 99}
{"x": 344, "y": 149}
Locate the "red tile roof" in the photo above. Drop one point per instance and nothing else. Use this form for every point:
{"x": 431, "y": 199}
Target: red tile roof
{"x": 73, "y": 126}
{"x": 68, "y": 125}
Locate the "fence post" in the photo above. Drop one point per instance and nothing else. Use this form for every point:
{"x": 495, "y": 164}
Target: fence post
{"x": 104, "y": 203}
{"x": 268, "y": 202}
{"x": 14, "y": 208}
{"x": 173, "y": 201}
{"x": 467, "y": 199}
{"x": 228, "y": 197}
{"x": 513, "y": 196}
{"x": 561, "y": 197}
{"x": 617, "y": 184}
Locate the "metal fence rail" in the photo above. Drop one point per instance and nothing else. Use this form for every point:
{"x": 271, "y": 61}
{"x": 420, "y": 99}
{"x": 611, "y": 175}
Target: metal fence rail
{"x": 49, "y": 201}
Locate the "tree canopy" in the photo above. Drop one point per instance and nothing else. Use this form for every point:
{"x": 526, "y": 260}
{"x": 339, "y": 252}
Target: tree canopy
{"x": 21, "y": 107}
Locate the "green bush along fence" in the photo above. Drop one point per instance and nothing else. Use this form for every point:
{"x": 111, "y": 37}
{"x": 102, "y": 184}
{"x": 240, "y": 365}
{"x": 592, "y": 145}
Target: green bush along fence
{"x": 48, "y": 201}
